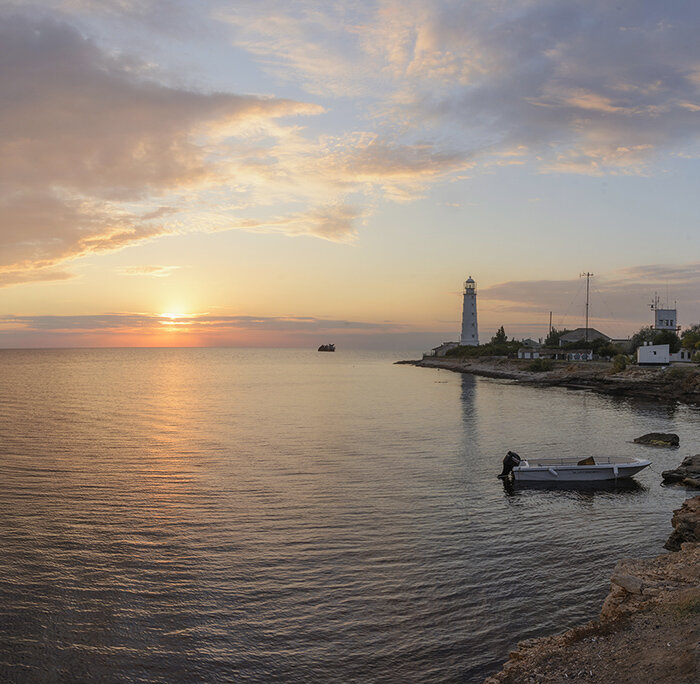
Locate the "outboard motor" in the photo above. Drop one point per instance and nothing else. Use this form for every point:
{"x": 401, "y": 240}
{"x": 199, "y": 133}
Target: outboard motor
{"x": 509, "y": 462}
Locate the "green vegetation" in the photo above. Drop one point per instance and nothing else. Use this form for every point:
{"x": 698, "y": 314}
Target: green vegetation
{"x": 690, "y": 339}
{"x": 540, "y": 365}
{"x": 619, "y": 363}
{"x": 490, "y": 349}
{"x": 600, "y": 347}
{"x": 498, "y": 346}
{"x": 500, "y": 337}
{"x": 648, "y": 334}
{"x": 552, "y": 340}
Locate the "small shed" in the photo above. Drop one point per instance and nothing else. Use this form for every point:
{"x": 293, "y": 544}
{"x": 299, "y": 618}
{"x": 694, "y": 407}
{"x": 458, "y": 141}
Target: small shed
{"x": 442, "y": 349}
{"x": 653, "y": 355}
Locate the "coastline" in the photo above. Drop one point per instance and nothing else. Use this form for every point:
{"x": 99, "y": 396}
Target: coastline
{"x": 649, "y": 624}
{"x": 671, "y": 383}
{"x": 648, "y": 629}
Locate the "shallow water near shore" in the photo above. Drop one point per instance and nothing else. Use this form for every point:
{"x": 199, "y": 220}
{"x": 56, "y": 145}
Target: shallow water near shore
{"x": 252, "y": 515}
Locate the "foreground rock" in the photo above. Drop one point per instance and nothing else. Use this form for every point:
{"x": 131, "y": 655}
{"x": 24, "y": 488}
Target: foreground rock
{"x": 649, "y": 626}
{"x": 659, "y": 439}
{"x": 686, "y": 525}
{"x": 687, "y": 473}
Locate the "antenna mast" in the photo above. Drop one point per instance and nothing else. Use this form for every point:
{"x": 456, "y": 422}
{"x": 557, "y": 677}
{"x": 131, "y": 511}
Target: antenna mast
{"x": 588, "y": 281}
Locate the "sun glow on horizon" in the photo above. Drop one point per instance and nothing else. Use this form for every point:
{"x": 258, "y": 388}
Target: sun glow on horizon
{"x": 175, "y": 318}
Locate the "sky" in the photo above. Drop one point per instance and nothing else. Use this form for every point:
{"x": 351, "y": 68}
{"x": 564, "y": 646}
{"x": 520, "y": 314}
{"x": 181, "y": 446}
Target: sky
{"x": 282, "y": 174}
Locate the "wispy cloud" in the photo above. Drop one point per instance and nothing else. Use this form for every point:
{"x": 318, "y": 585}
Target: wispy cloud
{"x": 587, "y": 87}
{"x": 130, "y": 322}
{"x": 152, "y": 271}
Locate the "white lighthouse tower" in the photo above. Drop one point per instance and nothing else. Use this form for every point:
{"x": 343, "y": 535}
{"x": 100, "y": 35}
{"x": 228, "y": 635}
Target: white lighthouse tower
{"x": 470, "y": 330}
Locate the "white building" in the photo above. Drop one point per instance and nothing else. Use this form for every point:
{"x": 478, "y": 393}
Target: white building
{"x": 442, "y": 349}
{"x": 660, "y": 355}
{"x": 665, "y": 319}
{"x": 653, "y": 354}
{"x": 556, "y": 354}
{"x": 470, "y": 329}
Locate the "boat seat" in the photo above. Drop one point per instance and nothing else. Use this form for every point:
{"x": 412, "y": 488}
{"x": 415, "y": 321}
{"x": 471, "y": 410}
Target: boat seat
{"x": 587, "y": 461}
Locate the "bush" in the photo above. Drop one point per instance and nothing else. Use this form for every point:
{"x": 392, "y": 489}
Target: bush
{"x": 619, "y": 363}
{"x": 540, "y": 365}
{"x": 678, "y": 373}
{"x": 488, "y": 349}
{"x": 696, "y": 357}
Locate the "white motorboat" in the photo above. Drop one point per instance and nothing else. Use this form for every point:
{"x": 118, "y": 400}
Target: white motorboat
{"x": 593, "y": 469}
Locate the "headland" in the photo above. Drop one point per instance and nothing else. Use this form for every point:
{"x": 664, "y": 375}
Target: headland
{"x": 667, "y": 383}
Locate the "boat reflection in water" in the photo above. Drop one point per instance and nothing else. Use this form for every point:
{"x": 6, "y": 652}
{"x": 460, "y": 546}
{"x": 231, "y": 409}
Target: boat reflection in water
{"x": 584, "y": 489}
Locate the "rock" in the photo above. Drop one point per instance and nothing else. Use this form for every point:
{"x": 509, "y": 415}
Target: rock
{"x": 612, "y": 603}
{"x": 686, "y": 524}
{"x": 687, "y": 473}
{"x": 631, "y": 584}
{"x": 659, "y": 439}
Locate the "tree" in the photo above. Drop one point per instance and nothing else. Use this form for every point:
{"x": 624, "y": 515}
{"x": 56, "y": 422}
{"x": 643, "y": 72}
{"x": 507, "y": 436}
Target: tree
{"x": 649, "y": 334}
{"x": 552, "y": 340}
{"x": 670, "y": 338}
{"x": 645, "y": 334}
{"x": 690, "y": 339}
{"x": 500, "y": 337}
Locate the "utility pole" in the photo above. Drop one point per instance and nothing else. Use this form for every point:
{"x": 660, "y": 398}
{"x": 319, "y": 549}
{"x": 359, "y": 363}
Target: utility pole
{"x": 550, "y": 322}
{"x": 588, "y": 280}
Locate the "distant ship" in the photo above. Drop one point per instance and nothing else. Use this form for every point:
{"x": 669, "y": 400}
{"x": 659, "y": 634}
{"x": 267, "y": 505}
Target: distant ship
{"x": 327, "y": 347}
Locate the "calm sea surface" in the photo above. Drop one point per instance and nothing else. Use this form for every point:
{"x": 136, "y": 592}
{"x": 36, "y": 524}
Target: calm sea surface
{"x": 220, "y": 515}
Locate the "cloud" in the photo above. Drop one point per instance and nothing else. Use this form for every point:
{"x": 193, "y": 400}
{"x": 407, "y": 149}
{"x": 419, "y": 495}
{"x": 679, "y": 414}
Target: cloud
{"x": 620, "y": 299}
{"x": 100, "y": 153}
{"x": 101, "y": 150}
{"x": 89, "y": 143}
{"x": 206, "y": 330}
{"x": 41, "y": 229}
{"x": 333, "y": 222}
{"x": 191, "y": 323}
{"x": 32, "y": 276}
{"x": 153, "y": 271}
{"x": 587, "y": 86}
{"x": 77, "y": 118}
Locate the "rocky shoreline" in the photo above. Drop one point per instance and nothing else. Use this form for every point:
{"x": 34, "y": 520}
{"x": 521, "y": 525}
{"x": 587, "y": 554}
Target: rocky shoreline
{"x": 672, "y": 383}
{"x": 649, "y": 625}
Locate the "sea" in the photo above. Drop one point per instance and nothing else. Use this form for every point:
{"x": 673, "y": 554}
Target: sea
{"x": 239, "y": 515}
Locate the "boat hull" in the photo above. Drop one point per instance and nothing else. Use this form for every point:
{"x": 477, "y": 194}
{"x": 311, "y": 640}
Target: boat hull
{"x": 578, "y": 473}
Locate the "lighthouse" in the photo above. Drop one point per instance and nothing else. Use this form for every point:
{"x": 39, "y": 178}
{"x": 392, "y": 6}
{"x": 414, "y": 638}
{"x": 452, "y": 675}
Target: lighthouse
{"x": 470, "y": 330}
